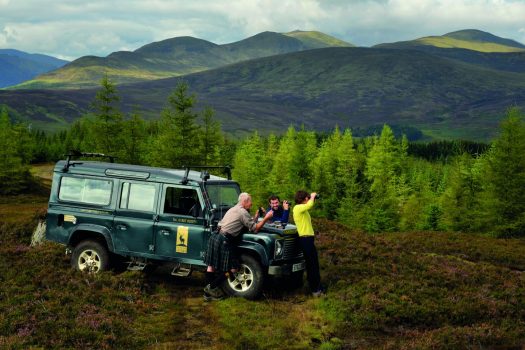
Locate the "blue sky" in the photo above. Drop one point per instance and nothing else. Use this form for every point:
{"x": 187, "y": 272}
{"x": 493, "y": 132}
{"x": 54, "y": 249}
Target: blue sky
{"x": 73, "y": 28}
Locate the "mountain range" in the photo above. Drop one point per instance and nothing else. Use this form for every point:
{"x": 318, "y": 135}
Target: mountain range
{"x": 175, "y": 57}
{"x": 18, "y": 66}
{"x": 282, "y": 79}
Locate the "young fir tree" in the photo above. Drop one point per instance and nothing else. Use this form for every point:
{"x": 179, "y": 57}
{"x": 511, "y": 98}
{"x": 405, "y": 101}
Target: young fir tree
{"x": 292, "y": 163}
{"x": 108, "y": 121}
{"x": 14, "y": 173}
{"x": 178, "y": 141}
{"x": 459, "y": 200}
{"x": 212, "y": 138}
{"x": 383, "y": 171}
{"x": 503, "y": 199}
{"x": 346, "y": 184}
{"x": 251, "y": 166}
{"x": 133, "y": 138}
{"x": 325, "y": 174}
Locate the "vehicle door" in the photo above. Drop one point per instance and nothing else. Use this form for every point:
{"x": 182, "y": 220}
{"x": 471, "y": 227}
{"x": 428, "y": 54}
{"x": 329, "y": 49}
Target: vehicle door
{"x": 135, "y": 216}
{"x": 179, "y": 231}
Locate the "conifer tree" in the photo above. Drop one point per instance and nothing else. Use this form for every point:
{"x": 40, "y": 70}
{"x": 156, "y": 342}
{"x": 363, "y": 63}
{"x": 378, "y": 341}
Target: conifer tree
{"x": 212, "y": 138}
{"x": 251, "y": 167}
{"x": 292, "y": 163}
{"x": 108, "y": 121}
{"x": 178, "y": 143}
{"x": 503, "y": 200}
{"x": 325, "y": 174}
{"x": 14, "y": 173}
{"x": 460, "y": 198}
{"x": 383, "y": 170}
{"x": 133, "y": 139}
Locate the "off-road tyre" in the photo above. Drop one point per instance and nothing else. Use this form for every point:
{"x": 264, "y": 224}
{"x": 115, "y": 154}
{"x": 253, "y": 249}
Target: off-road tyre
{"x": 90, "y": 256}
{"x": 248, "y": 281}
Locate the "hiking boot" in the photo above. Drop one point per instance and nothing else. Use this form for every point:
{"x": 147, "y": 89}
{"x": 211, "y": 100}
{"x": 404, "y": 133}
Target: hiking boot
{"x": 213, "y": 292}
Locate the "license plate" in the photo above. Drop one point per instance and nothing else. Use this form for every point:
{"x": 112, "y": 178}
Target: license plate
{"x": 298, "y": 267}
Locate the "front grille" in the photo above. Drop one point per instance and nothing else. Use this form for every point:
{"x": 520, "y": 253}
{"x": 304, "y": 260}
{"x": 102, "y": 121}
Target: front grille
{"x": 291, "y": 248}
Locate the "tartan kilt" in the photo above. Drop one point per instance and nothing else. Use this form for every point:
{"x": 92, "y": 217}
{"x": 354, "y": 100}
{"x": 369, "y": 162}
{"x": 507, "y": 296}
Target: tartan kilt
{"x": 222, "y": 253}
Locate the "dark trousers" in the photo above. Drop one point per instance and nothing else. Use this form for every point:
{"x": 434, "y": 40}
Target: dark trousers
{"x": 312, "y": 262}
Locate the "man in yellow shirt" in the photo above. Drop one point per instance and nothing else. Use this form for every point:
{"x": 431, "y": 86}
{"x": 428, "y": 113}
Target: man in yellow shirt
{"x": 303, "y": 221}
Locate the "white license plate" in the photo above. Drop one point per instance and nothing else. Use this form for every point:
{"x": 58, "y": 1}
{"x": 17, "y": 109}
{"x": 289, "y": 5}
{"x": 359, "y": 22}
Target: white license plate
{"x": 298, "y": 267}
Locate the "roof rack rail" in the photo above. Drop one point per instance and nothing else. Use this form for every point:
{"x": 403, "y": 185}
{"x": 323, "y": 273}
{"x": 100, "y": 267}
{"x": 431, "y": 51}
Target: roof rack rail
{"x": 75, "y": 153}
{"x": 204, "y": 174}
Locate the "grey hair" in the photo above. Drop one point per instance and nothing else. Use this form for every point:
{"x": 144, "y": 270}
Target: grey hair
{"x": 243, "y": 197}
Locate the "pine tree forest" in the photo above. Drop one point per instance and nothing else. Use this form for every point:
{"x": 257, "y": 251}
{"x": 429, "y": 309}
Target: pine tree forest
{"x": 375, "y": 184}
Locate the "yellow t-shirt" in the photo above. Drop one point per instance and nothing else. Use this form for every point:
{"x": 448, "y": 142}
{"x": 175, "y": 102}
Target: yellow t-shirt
{"x": 302, "y": 218}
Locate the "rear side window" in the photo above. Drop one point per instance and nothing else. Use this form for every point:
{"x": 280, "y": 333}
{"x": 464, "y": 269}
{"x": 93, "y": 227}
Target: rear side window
{"x": 138, "y": 197}
{"x": 84, "y": 190}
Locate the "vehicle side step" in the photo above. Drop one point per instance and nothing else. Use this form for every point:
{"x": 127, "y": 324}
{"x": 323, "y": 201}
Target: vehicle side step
{"x": 181, "y": 271}
{"x": 136, "y": 265}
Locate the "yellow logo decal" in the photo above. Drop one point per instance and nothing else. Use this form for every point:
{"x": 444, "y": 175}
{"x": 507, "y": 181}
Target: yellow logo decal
{"x": 70, "y": 218}
{"x": 182, "y": 240}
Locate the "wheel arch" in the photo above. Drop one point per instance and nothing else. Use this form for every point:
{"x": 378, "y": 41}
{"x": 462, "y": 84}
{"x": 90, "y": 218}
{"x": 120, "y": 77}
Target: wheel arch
{"x": 99, "y": 234}
{"x": 256, "y": 251}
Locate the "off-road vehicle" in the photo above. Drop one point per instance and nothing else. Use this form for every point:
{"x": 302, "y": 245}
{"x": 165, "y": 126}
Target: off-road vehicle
{"x": 150, "y": 216}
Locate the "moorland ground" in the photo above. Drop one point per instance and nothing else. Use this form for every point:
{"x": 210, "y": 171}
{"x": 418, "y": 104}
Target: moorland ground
{"x": 411, "y": 290}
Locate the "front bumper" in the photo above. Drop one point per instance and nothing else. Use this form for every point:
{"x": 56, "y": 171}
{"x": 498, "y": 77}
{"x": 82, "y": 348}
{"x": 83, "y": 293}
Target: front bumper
{"x": 287, "y": 269}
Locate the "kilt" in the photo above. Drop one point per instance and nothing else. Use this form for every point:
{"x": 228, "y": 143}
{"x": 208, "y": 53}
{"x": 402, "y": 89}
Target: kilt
{"x": 222, "y": 253}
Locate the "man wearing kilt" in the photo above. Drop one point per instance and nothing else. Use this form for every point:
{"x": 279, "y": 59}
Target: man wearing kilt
{"x": 222, "y": 255}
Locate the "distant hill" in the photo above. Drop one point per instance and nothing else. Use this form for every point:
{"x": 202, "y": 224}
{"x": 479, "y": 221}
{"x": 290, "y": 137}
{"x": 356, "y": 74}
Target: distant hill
{"x": 317, "y": 40}
{"x": 469, "y": 39}
{"x": 17, "y": 66}
{"x": 350, "y": 87}
{"x": 175, "y": 57}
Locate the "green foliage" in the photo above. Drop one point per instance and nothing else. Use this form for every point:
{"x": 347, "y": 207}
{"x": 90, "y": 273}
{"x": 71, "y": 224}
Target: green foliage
{"x": 292, "y": 162}
{"x": 504, "y": 179}
{"x": 251, "y": 167}
{"x": 106, "y": 131}
{"x": 14, "y": 157}
{"x": 387, "y": 185}
{"x": 133, "y": 140}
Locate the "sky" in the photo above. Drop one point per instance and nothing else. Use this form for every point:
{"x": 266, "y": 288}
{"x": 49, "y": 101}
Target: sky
{"x": 69, "y": 29}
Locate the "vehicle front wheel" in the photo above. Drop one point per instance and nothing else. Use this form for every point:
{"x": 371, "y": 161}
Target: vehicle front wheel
{"x": 248, "y": 281}
{"x": 90, "y": 256}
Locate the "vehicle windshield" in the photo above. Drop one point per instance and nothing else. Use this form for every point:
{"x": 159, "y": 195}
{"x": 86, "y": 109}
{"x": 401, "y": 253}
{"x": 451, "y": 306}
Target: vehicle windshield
{"x": 223, "y": 196}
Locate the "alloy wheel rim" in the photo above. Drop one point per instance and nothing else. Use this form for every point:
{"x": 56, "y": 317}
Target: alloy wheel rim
{"x": 89, "y": 261}
{"x": 242, "y": 280}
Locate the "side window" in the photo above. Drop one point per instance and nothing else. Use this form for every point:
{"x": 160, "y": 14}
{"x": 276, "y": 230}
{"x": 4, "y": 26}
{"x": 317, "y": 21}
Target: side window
{"x": 182, "y": 201}
{"x": 138, "y": 197}
{"x": 85, "y": 190}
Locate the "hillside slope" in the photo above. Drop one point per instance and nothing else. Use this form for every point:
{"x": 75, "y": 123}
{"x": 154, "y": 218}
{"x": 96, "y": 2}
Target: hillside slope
{"x": 422, "y": 290}
{"x": 17, "y": 66}
{"x": 469, "y": 39}
{"x": 174, "y": 57}
{"x": 351, "y": 87}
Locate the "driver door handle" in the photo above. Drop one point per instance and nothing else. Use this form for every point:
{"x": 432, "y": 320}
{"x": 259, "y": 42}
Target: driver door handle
{"x": 165, "y": 232}
{"x": 122, "y": 227}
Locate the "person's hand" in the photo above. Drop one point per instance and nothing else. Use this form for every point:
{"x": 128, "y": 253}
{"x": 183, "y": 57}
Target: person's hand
{"x": 312, "y": 196}
{"x": 286, "y": 205}
{"x": 269, "y": 214}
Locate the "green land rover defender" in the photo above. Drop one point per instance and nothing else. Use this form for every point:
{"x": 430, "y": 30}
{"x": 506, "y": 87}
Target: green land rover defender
{"x": 150, "y": 216}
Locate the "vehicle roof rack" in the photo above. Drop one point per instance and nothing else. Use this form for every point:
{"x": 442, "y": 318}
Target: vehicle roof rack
{"x": 204, "y": 174}
{"x": 74, "y": 153}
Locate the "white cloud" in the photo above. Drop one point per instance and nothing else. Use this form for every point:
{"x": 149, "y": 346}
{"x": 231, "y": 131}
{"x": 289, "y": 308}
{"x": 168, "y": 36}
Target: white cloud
{"x": 72, "y": 28}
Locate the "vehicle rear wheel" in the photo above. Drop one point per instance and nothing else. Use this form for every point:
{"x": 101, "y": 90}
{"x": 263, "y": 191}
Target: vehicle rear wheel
{"x": 90, "y": 256}
{"x": 248, "y": 281}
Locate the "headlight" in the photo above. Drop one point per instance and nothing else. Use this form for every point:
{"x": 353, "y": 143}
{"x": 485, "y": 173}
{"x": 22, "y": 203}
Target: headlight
{"x": 279, "y": 250}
